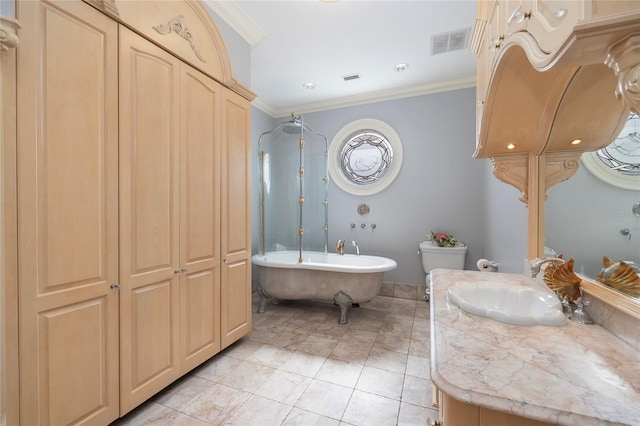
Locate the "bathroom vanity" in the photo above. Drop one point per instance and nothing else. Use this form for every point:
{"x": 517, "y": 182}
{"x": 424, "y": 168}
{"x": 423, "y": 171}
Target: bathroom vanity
{"x": 491, "y": 373}
{"x": 555, "y": 79}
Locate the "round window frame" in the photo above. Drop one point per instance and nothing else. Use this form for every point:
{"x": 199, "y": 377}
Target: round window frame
{"x": 602, "y": 171}
{"x": 343, "y": 136}
{"x": 605, "y": 174}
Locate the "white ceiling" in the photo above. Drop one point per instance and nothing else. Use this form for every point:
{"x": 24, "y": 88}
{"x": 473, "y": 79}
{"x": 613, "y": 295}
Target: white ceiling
{"x": 299, "y": 41}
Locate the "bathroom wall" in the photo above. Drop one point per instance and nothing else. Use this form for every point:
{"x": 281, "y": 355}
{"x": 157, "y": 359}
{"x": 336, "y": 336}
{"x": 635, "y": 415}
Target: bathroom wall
{"x": 7, "y": 8}
{"x": 437, "y": 187}
{"x": 440, "y": 187}
{"x": 505, "y": 226}
{"x": 238, "y": 49}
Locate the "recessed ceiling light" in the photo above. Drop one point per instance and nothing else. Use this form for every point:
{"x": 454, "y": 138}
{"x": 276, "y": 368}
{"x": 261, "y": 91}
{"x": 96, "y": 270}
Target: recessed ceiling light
{"x": 511, "y": 146}
{"x": 309, "y": 86}
{"x": 401, "y": 67}
{"x": 576, "y": 142}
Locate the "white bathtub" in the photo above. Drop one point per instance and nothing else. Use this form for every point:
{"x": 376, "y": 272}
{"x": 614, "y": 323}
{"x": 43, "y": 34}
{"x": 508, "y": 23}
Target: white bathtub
{"x": 344, "y": 279}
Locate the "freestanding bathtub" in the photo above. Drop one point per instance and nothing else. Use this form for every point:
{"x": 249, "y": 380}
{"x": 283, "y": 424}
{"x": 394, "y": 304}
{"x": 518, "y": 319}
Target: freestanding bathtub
{"x": 344, "y": 279}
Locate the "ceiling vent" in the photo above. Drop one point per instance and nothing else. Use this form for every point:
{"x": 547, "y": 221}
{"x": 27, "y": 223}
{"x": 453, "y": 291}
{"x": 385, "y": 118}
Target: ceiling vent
{"x": 448, "y": 42}
{"x": 351, "y": 77}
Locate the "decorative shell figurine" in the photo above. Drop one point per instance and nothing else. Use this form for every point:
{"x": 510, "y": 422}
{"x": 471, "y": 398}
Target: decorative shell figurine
{"x": 620, "y": 276}
{"x": 560, "y": 278}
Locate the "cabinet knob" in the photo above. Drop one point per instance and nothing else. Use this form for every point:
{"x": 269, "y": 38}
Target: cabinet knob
{"x": 115, "y": 286}
{"x": 177, "y": 272}
{"x": 518, "y": 16}
{"x": 496, "y": 42}
{"x": 184, "y": 270}
{"x": 433, "y": 422}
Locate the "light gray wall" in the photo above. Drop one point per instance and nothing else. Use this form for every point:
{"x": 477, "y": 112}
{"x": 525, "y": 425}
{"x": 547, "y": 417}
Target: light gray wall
{"x": 440, "y": 187}
{"x": 505, "y": 229}
{"x": 583, "y": 219}
{"x": 238, "y": 49}
{"x": 7, "y": 8}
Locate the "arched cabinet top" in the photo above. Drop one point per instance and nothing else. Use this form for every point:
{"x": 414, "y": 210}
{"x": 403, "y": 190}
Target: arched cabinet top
{"x": 184, "y": 28}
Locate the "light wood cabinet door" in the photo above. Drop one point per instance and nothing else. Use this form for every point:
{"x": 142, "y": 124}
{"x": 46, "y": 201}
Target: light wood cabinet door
{"x": 67, "y": 214}
{"x": 457, "y": 413}
{"x": 552, "y": 22}
{"x": 199, "y": 217}
{"x": 149, "y": 219}
{"x": 236, "y": 238}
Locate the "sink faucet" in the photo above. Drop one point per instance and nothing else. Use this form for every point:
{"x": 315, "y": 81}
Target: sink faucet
{"x": 353, "y": 243}
{"x": 340, "y": 247}
{"x": 535, "y": 266}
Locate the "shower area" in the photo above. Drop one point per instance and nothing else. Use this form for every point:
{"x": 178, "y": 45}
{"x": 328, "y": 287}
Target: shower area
{"x": 293, "y": 262}
{"x": 294, "y": 181}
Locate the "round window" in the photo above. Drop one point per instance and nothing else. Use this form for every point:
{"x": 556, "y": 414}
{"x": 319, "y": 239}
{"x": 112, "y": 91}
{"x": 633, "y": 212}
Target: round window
{"x": 619, "y": 162}
{"x": 365, "y": 156}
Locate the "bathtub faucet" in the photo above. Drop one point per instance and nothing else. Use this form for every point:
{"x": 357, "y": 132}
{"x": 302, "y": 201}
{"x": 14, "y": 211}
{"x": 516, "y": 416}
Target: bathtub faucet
{"x": 340, "y": 246}
{"x": 353, "y": 243}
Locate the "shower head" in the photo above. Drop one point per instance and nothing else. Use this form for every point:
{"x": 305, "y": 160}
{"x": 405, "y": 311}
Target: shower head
{"x": 292, "y": 128}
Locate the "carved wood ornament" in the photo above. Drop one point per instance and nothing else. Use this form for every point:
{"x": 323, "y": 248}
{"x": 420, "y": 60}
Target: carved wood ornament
{"x": 513, "y": 169}
{"x": 622, "y": 57}
{"x": 8, "y": 33}
{"x": 178, "y": 26}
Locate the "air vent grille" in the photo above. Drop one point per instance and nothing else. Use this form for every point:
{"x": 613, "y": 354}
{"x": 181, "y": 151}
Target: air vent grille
{"x": 351, "y": 77}
{"x": 448, "y": 42}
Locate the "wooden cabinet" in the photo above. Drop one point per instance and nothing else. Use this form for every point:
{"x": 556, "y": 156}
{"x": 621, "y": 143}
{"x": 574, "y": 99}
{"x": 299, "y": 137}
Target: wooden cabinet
{"x": 179, "y": 158}
{"x": 149, "y": 218}
{"x": 551, "y": 22}
{"x": 458, "y": 413}
{"x": 200, "y": 210}
{"x": 133, "y": 232}
{"x": 67, "y": 187}
{"x": 236, "y": 240}
{"x": 539, "y": 57}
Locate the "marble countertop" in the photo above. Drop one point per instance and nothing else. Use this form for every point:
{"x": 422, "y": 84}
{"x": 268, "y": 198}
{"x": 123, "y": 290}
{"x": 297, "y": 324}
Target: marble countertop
{"x": 574, "y": 374}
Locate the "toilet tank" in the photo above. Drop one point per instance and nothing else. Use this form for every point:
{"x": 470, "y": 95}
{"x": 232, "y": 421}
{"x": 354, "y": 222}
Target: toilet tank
{"x": 434, "y": 257}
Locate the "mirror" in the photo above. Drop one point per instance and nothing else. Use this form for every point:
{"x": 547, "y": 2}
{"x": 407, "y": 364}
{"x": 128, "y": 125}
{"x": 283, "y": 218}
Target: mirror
{"x": 590, "y": 216}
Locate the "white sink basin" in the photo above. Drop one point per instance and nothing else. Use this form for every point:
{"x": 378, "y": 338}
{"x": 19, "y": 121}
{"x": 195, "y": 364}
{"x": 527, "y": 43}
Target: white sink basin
{"x": 510, "y": 304}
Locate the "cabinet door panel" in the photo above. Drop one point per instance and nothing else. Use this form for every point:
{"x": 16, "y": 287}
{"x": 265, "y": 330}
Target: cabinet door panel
{"x": 236, "y": 240}
{"x": 200, "y": 217}
{"x": 236, "y": 301}
{"x": 200, "y": 331}
{"x": 68, "y": 338}
{"x": 67, "y": 214}
{"x": 552, "y": 22}
{"x": 151, "y": 319}
{"x": 149, "y": 218}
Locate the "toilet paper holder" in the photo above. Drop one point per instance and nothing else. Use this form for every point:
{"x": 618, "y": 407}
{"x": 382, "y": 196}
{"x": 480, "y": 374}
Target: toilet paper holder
{"x": 485, "y": 265}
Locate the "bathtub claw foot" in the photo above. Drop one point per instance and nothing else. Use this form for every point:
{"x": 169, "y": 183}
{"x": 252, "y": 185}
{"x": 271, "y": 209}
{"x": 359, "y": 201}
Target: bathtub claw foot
{"x": 343, "y": 300}
{"x": 264, "y": 297}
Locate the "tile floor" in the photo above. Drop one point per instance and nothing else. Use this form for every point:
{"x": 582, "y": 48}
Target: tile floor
{"x": 298, "y": 366}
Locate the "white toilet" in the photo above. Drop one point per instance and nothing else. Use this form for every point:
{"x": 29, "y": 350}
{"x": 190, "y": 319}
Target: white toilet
{"x": 434, "y": 257}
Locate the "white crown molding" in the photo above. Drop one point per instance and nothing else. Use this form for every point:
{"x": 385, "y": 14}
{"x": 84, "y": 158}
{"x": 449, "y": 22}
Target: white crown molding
{"x": 264, "y": 107}
{"x": 368, "y": 98}
{"x": 233, "y": 16}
